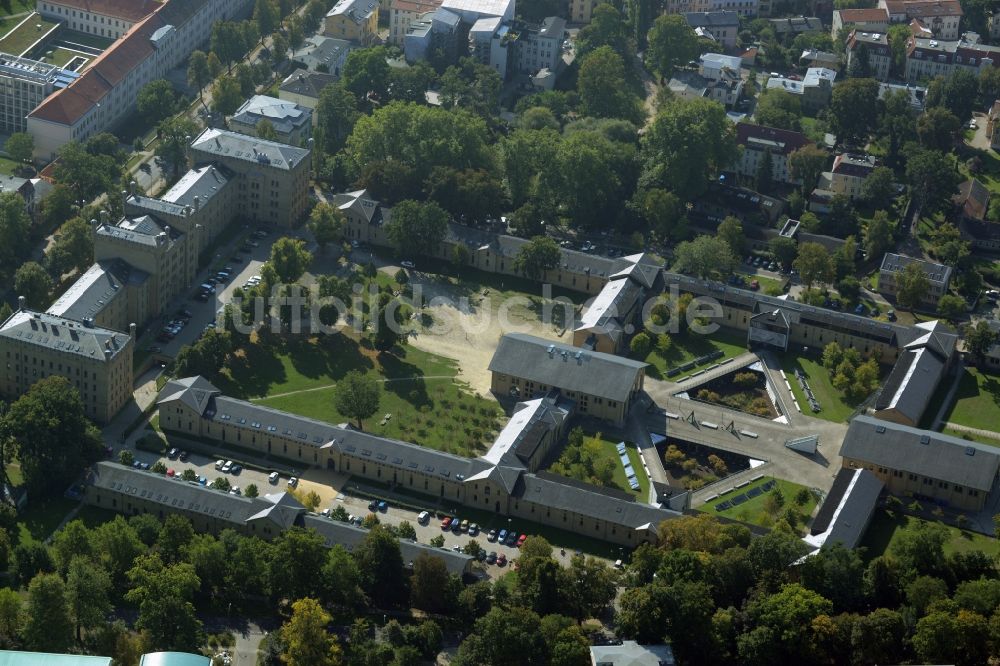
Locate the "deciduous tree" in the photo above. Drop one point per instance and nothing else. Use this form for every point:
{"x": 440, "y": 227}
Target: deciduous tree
{"x": 357, "y": 396}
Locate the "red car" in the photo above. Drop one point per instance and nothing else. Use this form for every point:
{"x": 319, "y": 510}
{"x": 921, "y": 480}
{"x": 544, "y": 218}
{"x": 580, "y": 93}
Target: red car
{"x": 446, "y": 523}
{"x": 501, "y": 560}
{"x": 520, "y": 540}
{"x": 170, "y": 472}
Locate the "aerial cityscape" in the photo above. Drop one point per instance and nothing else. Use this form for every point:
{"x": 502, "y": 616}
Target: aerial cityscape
{"x": 497, "y": 333}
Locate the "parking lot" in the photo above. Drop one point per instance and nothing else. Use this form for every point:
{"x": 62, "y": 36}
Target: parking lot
{"x": 204, "y": 466}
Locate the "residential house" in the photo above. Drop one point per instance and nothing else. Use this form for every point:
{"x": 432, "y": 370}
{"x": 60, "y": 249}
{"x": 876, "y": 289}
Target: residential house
{"x": 404, "y": 12}
{"x": 795, "y": 25}
{"x": 972, "y": 205}
{"x": 353, "y": 21}
{"x": 96, "y": 361}
{"x": 723, "y": 25}
{"x": 323, "y": 54}
{"x": 291, "y": 123}
{"x": 470, "y": 11}
{"x": 940, "y": 16}
{"x": 304, "y": 88}
{"x": 725, "y": 90}
{"x": 603, "y": 386}
{"x": 500, "y": 481}
{"x": 849, "y": 174}
{"x": 814, "y": 90}
{"x": 540, "y": 47}
{"x": 817, "y": 58}
{"x": 917, "y": 94}
{"x": 871, "y": 45}
{"x": 938, "y": 277}
{"x": 928, "y": 58}
{"x": 746, "y": 8}
{"x": 757, "y": 140}
{"x": 439, "y": 30}
{"x": 952, "y": 472}
{"x": 865, "y": 20}
{"x": 909, "y": 388}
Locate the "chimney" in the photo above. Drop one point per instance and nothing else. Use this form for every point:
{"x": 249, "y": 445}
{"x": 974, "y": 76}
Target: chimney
{"x": 20, "y": 303}
{"x": 131, "y": 330}
{"x": 197, "y": 202}
{"x": 124, "y": 198}
{"x": 105, "y": 216}
{"x": 131, "y": 187}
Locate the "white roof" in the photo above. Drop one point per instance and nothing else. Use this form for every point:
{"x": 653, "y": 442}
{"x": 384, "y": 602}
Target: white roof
{"x": 719, "y": 60}
{"x": 815, "y": 74}
{"x": 488, "y": 25}
{"x": 519, "y": 421}
{"x": 485, "y": 7}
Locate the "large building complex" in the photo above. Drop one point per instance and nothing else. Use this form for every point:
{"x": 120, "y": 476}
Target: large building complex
{"x": 133, "y": 492}
{"x": 614, "y": 313}
{"x": 354, "y": 21}
{"x": 499, "y": 482}
{"x": 147, "y": 50}
{"x": 927, "y": 58}
{"x": 758, "y": 140}
{"x": 96, "y": 361}
{"x": 877, "y": 54}
{"x": 404, "y": 12}
{"x": 24, "y": 84}
{"x": 102, "y": 18}
{"x": 922, "y": 464}
{"x": 814, "y": 90}
{"x": 941, "y": 17}
{"x": 922, "y": 364}
{"x": 291, "y": 123}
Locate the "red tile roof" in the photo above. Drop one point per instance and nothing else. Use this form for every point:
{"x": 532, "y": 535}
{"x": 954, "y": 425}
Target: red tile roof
{"x": 791, "y": 141}
{"x": 417, "y": 6}
{"x": 130, "y": 10}
{"x": 863, "y": 15}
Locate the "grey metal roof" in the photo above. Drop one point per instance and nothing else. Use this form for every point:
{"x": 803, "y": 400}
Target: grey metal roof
{"x": 910, "y": 385}
{"x": 193, "y": 391}
{"x": 711, "y": 19}
{"x": 284, "y": 115}
{"x": 223, "y": 143}
{"x": 563, "y": 494}
{"x": 153, "y": 205}
{"x": 307, "y": 84}
{"x": 922, "y": 452}
{"x": 349, "y": 536}
{"x": 92, "y": 291}
{"x": 895, "y": 334}
{"x": 630, "y": 653}
{"x": 64, "y": 335}
{"x": 563, "y": 366}
{"x": 203, "y": 182}
{"x": 847, "y": 509}
{"x": 936, "y": 273}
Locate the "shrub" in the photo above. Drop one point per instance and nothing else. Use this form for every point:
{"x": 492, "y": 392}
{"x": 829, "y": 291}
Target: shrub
{"x": 663, "y": 344}
{"x": 151, "y": 442}
{"x": 641, "y": 345}
{"x": 159, "y": 467}
{"x": 126, "y": 458}
{"x": 745, "y": 379}
{"x": 718, "y": 465}
{"x": 189, "y": 475}
{"x": 221, "y": 483}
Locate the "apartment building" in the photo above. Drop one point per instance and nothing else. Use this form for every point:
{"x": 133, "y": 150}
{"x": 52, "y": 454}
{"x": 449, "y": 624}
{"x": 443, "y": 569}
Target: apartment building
{"x": 747, "y": 8}
{"x": 993, "y": 125}
{"x": 24, "y": 84}
{"x": 102, "y": 18}
{"x": 500, "y": 481}
{"x": 97, "y": 361}
{"x": 272, "y": 178}
{"x": 814, "y": 90}
{"x": 101, "y": 96}
{"x": 942, "y": 17}
{"x": 404, "y": 12}
{"x": 938, "y": 277}
{"x": 581, "y": 10}
{"x": 724, "y": 26}
{"x": 866, "y": 20}
{"x": 292, "y": 123}
{"x": 928, "y": 58}
{"x": 875, "y": 46}
{"x": 540, "y": 47}
{"x": 354, "y": 21}
{"x": 922, "y": 464}
{"x": 758, "y": 140}
{"x": 615, "y": 312}
{"x": 849, "y": 174}
{"x": 304, "y": 88}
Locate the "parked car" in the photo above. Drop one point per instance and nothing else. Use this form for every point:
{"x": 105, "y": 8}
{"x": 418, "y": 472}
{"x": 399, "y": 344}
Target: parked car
{"x": 492, "y": 536}
{"x": 173, "y": 453}
{"x": 171, "y": 472}
{"x": 521, "y": 539}
{"x": 511, "y": 538}
{"x": 891, "y": 315}
{"x": 227, "y": 467}
{"x": 861, "y": 309}
{"x": 373, "y": 506}
{"x": 502, "y": 537}
{"x": 293, "y": 482}
{"x": 235, "y": 490}
{"x": 446, "y": 523}
{"x": 383, "y": 506}
{"x": 465, "y": 525}
{"x": 273, "y": 477}
{"x": 423, "y": 517}
{"x": 202, "y": 480}
{"x": 182, "y": 456}
{"x": 326, "y": 512}
{"x": 492, "y": 557}
{"x": 407, "y": 264}
{"x": 501, "y": 560}
{"x": 236, "y": 469}
{"x": 219, "y": 464}
{"x": 473, "y": 529}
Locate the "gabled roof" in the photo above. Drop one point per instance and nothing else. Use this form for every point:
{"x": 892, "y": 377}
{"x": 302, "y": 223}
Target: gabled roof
{"x": 847, "y": 509}
{"x": 936, "y": 273}
{"x": 129, "y": 10}
{"x": 924, "y": 452}
{"x": 307, "y": 84}
{"x": 565, "y": 367}
{"x": 771, "y": 138}
{"x": 563, "y": 494}
{"x": 283, "y": 511}
{"x": 64, "y": 335}
{"x": 873, "y": 15}
{"x": 223, "y": 143}
{"x": 973, "y": 198}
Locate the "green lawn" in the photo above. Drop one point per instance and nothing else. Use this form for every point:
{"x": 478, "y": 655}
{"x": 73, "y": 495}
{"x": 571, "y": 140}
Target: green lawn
{"x": 972, "y": 437}
{"x": 8, "y": 7}
{"x": 885, "y": 530}
{"x": 689, "y": 346}
{"x": 752, "y": 511}
{"x": 86, "y": 39}
{"x": 8, "y": 167}
{"x": 813, "y": 128}
{"x": 834, "y": 406}
{"x": 60, "y": 57}
{"x": 41, "y": 517}
{"x": 17, "y": 40}
{"x": 977, "y": 403}
{"x": 428, "y": 405}
{"x": 610, "y": 452}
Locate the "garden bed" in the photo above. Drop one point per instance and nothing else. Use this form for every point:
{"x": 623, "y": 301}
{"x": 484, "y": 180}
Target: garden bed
{"x": 693, "y": 466}
{"x": 744, "y": 390}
